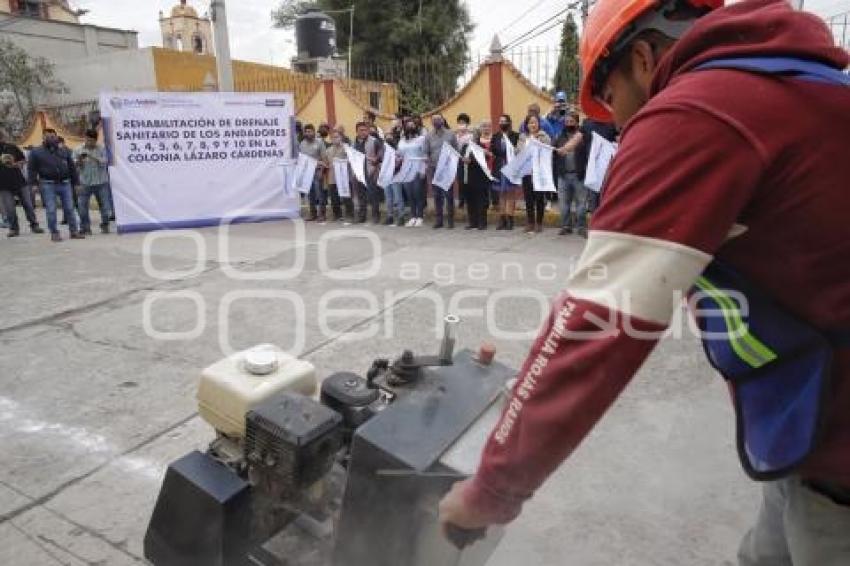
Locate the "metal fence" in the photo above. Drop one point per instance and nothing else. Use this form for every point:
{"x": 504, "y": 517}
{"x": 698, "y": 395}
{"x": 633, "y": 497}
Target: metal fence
{"x": 429, "y": 82}
{"x": 839, "y": 25}
{"x": 75, "y": 118}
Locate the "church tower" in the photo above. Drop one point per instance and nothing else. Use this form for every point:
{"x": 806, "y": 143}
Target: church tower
{"x": 184, "y": 30}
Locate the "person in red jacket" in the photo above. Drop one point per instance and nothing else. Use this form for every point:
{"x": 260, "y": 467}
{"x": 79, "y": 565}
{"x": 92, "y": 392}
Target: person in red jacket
{"x": 743, "y": 185}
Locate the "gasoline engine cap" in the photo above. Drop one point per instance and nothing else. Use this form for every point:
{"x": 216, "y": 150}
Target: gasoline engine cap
{"x": 260, "y": 361}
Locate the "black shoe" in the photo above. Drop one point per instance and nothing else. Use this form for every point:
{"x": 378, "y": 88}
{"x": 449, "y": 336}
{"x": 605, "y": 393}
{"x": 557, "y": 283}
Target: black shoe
{"x": 104, "y": 229}
{"x": 36, "y": 229}
{"x": 470, "y": 227}
{"x": 112, "y": 218}
{"x": 64, "y": 222}
{"x": 13, "y": 234}
{"x": 360, "y": 221}
{"x": 565, "y": 231}
{"x": 389, "y": 221}
{"x": 438, "y": 225}
{"x": 451, "y": 225}
{"x": 582, "y": 232}
{"x": 78, "y": 236}
{"x": 482, "y": 227}
{"x": 401, "y": 223}
{"x": 510, "y": 223}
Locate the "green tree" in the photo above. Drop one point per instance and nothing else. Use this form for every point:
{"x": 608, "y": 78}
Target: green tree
{"x": 420, "y": 45}
{"x": 24, "y": 81}
{"x": 567, "y": 73}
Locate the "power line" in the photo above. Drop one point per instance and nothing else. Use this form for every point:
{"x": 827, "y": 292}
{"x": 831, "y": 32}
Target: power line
{"x": 524, "y": 36}
{"x": 521, "y": 16}
{"x": 541, "y": 32}
{"x": 513, "y": 23}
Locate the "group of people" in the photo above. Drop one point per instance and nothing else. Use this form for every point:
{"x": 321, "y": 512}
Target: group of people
{"x": 480, "y": 186}
{"x": 63, "y": 178}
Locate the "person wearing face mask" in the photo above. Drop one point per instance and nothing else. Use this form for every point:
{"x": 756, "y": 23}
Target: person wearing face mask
{"x": 463, "y": 133}
{"x": 369, "y": 194}
{"x": 444, "y": 201}
{"x": 12, "y": 184}
{"x": 535, "y": 201}
{"x": 478, "y": 188}
{"x": 314, "y": 147}
{"x": 570, "y": 187}
{"x": 52, "y": 168}
{"x": 413, "y": 145}
{"x": 503, "y": 142}
{"x": 336, "y": 151}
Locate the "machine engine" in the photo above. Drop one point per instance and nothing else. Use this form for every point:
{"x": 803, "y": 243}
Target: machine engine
{"x": 346, "y": 476}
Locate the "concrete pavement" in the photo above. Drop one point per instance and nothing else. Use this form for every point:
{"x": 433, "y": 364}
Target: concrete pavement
{"x": 92, "y": 408}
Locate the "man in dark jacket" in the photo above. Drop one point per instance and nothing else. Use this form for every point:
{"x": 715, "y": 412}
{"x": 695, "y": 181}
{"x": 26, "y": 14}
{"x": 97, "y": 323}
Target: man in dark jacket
{"x": 52, "y": 168}
{"x": 708, "y": 172}
{"x": 12, "y": 184}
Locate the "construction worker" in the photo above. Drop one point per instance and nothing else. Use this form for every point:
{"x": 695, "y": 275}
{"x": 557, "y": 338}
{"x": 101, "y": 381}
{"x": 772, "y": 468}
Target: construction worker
{"x": 731, "y": 176}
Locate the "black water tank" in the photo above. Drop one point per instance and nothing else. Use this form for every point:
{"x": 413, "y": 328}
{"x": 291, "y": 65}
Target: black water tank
{"x": 315, "y": 35}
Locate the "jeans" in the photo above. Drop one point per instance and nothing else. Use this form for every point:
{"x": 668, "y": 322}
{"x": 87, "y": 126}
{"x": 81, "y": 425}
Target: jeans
{"x": 587, "y": 205}
{"x": 367, "y": 196}
{"x": 415, "y": 191}
{"x": 101, "y": 195}
{"x": 317, "y": 197}
{"x": 444, "y": 201}
{"x": 111, "y": 200}
{"x": 571, "y": 188}
{"x": 7, "y": 200}
{"x": 535, "y": 202}
{"x": 798, "y": 526}
{"x": 395, "y": 201}
{"x": 49, "y": 192}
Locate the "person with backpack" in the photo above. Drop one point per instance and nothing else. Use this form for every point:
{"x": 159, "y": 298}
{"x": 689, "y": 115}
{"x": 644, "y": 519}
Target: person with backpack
{"x": 713, "y": 196}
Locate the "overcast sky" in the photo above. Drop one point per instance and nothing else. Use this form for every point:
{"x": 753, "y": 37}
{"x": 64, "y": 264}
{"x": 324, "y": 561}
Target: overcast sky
{"x": 253, "y": 39}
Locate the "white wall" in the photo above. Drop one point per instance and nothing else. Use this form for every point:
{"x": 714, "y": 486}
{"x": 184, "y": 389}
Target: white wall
{"x": 121, "y": 70}
{"x": 61, "y": 41}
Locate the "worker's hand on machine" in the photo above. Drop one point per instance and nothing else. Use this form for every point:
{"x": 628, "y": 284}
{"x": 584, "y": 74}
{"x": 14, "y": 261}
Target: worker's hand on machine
{"x": 461, "y": 524}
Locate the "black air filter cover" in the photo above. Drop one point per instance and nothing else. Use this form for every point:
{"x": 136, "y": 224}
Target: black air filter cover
{"x": 293, "y": 437}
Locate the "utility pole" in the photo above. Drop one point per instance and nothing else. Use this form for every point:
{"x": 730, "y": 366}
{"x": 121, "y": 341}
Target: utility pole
{"x": 350, "y": 40}
{"x": 224, "y": 65}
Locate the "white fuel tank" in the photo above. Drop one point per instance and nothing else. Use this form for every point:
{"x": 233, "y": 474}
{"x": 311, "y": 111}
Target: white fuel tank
{"x": 233, "y": 386}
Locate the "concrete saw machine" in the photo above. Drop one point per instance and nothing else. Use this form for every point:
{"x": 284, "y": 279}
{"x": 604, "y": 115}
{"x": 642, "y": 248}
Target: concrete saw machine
{"x": 346, "y": 472}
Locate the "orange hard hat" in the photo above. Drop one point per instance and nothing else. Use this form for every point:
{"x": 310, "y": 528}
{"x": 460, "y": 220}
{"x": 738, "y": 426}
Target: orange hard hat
{"x": 607, "y": 23}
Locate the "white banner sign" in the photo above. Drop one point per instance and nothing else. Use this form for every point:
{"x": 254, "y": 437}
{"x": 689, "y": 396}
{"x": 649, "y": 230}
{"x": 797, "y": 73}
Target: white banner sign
{"x": 289, "y": 189}
{"x": 343, "y": 185}
{"x": 478, "y": 152}
{"x": 385, "y": 176}
{"x": 541, "y": 171}
{"x": 446, "y": 170}
{"x": 410, "y": 168}
{"x": 358, "y": 163}
{"x": 601, "y": 153}
{"x": 183, "y": 160}
{"x": 510, "y": 150}
{"x": 521, "y": 165}
{"x": 305, "y": 173}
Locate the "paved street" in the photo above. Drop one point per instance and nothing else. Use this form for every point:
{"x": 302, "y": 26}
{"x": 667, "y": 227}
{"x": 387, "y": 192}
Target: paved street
{"x": 92, "y": 407}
